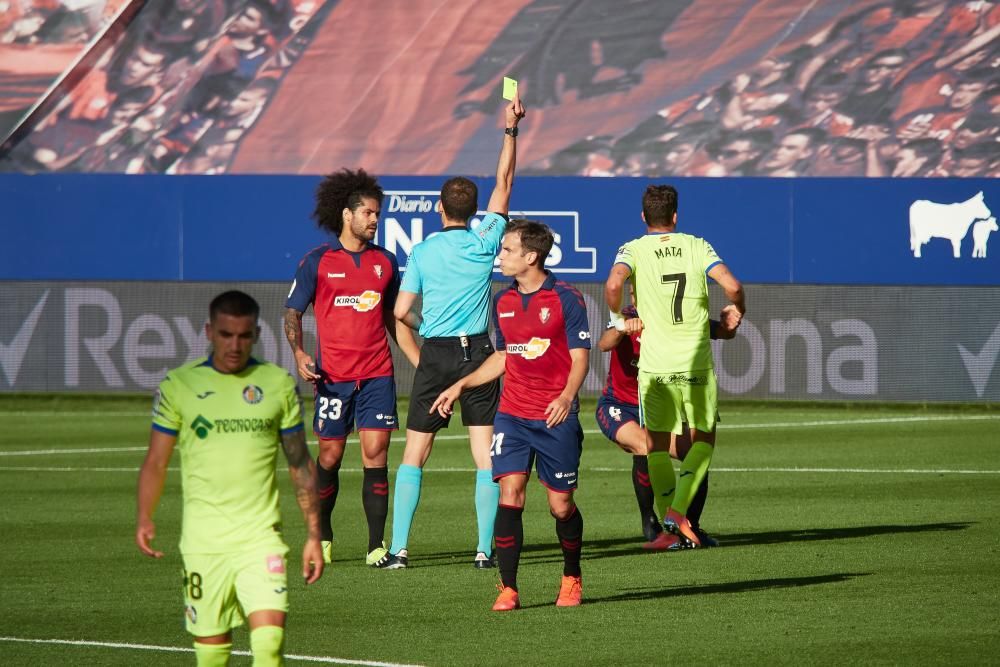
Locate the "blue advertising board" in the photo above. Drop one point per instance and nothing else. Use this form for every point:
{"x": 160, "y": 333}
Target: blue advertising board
{"x": 256, "y": 228}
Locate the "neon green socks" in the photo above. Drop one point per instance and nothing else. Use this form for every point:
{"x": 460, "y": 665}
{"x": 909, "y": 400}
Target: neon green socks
{"x": 212, "y": 655}
{"x": 266, "y": 644}
{"x": 661, "y": 478}
{"x": 692, "y": 471}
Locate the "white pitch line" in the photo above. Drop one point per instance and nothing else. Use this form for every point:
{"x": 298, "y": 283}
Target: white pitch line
{"x": 727, "y": 427}
{"x": 865, "y": 471}
{"x": 181, "y": 649}
{"x": 94, "y": 450}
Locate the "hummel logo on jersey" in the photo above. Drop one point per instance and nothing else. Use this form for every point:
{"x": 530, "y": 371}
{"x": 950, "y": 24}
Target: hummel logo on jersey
{"x": 336, "y": 275}
{"x": 206, "y": 394}
{"x": 363, "y": 303}
{"x": 533, "y": 349}
{"x": 510, "y": 314}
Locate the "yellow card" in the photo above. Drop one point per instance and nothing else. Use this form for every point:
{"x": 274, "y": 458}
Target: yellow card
{"x": 509, "y": 88}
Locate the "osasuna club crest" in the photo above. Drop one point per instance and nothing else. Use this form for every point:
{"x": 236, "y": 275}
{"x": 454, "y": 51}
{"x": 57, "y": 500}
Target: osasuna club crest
{"x": 378, "y": 270}
{"x": 544, "y": 314}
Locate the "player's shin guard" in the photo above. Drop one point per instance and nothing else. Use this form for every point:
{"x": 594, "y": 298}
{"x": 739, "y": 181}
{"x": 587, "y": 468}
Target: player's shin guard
{"x": 327, "y": 487}
{"x": 375, "y": 499}
{"x": 267, "y": 644}
{"x": 661, "y": 478}
{"x": 404, "y": 504}
{"x": 509, "y": 536}
{"x": 212, "y": 655}
{"x": 640, "y": 482}
{"x": 570, "y": 533}
{"x": 697, "y": 505}
{"x": 693, "y": 470}
{"x": 487, "y": 499}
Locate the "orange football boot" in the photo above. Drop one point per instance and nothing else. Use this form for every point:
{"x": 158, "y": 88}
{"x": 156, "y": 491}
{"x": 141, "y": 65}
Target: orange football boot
{"x": 508, "y": 600}
{"x": 570, "y": 592}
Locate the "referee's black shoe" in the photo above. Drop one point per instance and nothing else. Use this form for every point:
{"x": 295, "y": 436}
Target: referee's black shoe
{"x": 484, "y": 562}
{"x": 394, "y": 561}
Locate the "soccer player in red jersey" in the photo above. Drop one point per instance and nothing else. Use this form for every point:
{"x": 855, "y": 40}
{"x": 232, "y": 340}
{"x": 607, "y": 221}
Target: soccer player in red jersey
{"x": 542, "y": 344}
{"x": 351, "y": 284}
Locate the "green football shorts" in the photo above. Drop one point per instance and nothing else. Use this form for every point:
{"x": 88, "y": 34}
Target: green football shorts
{"x": 667, "y": 400}
{"x": 221, "y": 589}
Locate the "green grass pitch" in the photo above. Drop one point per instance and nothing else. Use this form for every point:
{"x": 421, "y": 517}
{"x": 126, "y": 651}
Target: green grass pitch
{"x": 849, "y": 535}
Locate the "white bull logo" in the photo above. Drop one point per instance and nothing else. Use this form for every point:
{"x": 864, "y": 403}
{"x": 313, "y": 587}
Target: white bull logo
{"x": 930, "y": 219}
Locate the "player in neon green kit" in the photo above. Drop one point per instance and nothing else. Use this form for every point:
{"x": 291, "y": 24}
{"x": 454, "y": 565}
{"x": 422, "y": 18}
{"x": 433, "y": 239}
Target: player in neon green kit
{"x": 227, "y": 415}
{"x": 677, "y": 380}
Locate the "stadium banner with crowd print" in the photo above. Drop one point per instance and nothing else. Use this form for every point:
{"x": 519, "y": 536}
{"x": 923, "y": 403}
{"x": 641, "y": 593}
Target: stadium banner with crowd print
{"x": 867, "y": 88}
{"x": 931, "y": 344}
{"x": 253, "y": 228}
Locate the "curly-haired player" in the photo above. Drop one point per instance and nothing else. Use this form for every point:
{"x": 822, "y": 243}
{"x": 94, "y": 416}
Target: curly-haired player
{"x": 352, "y": 285}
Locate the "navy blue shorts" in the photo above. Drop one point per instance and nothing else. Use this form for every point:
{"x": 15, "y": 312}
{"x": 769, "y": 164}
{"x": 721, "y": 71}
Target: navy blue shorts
{"x": 519, "y": 443}
{"x": 612, "y": 415}
{"x": 369, "y": 404}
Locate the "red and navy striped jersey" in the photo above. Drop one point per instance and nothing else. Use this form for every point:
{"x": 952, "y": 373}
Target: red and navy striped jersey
{"x": 622, "y": 384}
{"x": 537, "y": 331}
{"x": 350, "y": 294}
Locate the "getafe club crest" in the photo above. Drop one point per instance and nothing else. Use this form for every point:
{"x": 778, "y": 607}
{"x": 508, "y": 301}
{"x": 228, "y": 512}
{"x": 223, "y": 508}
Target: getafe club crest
{"x": 253, "y": 394}
{"x": 544, "y": 314}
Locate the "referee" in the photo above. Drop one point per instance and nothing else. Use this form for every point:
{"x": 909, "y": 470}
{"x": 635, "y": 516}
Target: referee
{"x": 451, "y": 272}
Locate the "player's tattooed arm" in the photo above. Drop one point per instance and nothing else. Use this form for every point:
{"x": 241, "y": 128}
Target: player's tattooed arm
{"x": 293, "y": 328}
{"x": 303, "y": 472}
{"x": 304, "y": 363}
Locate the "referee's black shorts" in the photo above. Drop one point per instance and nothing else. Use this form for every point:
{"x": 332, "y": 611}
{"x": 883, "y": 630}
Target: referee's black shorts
{"x": 442, "y": 364}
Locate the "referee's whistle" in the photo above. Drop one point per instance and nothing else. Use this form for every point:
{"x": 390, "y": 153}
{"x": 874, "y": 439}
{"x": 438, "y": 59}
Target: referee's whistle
{"x": 466, "y": 349}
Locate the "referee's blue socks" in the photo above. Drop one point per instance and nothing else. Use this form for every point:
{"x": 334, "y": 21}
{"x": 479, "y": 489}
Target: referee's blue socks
{"x": 404, "y": 504}
{"x": 487, "y": 499}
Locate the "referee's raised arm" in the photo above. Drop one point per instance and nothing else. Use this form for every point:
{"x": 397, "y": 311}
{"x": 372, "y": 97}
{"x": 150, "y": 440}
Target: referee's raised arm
{"x": 500, "y": 199}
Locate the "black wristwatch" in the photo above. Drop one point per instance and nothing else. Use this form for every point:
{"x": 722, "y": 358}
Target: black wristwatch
{"x": 512, "y": 131}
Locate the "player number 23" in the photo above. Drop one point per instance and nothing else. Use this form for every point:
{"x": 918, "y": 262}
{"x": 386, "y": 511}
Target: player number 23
{"x": 329, "y": 408}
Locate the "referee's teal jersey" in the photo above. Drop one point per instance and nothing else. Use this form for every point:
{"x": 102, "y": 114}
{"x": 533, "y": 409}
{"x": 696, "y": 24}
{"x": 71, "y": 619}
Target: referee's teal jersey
{"x": 451, "y": 270}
